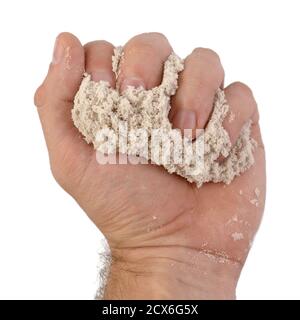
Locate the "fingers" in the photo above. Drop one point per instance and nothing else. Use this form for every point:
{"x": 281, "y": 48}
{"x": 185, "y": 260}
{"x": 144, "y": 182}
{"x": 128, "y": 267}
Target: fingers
{"x": 54, "y": 98}
{"x": 144, "y": 58}
{"x": 98, "y": 61}
{"x": 242, "y": 108}
{"x": 192, "y": 105}
{"x": 202, "y": 76}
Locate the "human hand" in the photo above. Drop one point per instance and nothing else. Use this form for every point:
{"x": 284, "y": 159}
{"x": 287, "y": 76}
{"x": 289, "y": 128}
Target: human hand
{"x": 168, "y": 238}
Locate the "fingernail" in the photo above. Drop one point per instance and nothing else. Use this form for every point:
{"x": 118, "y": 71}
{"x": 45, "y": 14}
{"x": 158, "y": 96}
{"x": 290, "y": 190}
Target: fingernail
{"x": 132, "y": 82}
{"x": 102, "y": 75}
{"x": 184, "y": 119}
{"x": 58, "y": 52}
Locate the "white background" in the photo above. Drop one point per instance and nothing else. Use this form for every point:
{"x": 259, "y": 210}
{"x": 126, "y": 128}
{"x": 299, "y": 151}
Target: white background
{"x": 48, "y": 247}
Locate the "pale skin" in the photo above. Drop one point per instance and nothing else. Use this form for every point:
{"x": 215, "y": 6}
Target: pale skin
{"x": 169, "y": 239}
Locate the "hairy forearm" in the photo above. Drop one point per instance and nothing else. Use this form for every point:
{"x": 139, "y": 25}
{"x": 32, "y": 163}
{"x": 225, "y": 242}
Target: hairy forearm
{"x": 170, "y": 273}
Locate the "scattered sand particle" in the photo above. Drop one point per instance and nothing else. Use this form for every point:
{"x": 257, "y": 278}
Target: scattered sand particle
{"x": 98, "y": 106}
{"x": 255, "y": 202}
{"x": 247, "y": 224}
{"x": 241, "y": 192}
{"x": 257, "y": 192}
{"x": 235, "y": 218}
{"x": 231, "y": 117}
{"x": 232, "y": 219}
{"x": 218, "y": 257}
{"x": 154, "y": 217}
{"x": 236, "y": 236}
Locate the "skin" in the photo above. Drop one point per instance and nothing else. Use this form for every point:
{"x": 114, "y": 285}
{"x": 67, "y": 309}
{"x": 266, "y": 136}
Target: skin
{"x": 169, "y": 239}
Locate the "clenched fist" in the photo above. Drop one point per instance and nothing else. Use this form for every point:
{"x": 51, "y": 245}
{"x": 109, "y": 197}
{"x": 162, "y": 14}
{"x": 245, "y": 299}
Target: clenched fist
{"x": 169, "y": 239}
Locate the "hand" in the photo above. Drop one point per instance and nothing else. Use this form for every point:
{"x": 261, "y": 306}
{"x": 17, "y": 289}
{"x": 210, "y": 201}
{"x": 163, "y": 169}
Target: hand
{"x": 168, "y": 238}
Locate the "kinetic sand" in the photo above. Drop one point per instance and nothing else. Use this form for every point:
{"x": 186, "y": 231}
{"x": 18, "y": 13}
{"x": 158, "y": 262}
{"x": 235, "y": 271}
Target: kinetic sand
{"x": 98, "y": 106}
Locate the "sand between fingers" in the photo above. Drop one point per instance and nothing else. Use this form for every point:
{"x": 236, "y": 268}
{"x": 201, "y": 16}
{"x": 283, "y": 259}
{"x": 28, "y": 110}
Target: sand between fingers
{"x": 98, "y": 106}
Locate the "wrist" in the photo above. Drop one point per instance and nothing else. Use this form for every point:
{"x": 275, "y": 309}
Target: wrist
{"x": 171, "y": 273}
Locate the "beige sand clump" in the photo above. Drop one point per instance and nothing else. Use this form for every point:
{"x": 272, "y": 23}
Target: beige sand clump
{"x": 98, "y": 106}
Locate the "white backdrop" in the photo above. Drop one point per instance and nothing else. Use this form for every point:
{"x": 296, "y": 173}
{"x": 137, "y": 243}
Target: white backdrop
{"x": 48, "y": 247}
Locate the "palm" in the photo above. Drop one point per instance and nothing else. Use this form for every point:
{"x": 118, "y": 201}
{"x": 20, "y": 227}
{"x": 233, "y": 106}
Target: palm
{"x": 143, "y": 205}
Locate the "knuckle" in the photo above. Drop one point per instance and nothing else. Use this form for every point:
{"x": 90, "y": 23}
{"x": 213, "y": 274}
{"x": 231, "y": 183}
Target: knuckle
{"x": 246, "y": 96}
{"x": 102, "y": 43}
{"x": 149, "y": 42}
{"x": 242, "y": 89}
{"x": 150, "y": 37}
{"x": 39, "y": 96}
{"x": 207, "y": 53}
{"x": 211, "y": 59}
{"x": 157, "y": 35}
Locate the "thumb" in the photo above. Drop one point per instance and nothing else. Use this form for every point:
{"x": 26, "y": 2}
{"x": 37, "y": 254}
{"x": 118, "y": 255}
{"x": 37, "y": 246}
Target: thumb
{"x": 54, "y": 101}
{"x": 54, "y": 98}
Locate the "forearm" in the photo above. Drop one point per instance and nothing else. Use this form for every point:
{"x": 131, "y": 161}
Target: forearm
{"x": 170, "y": 273}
